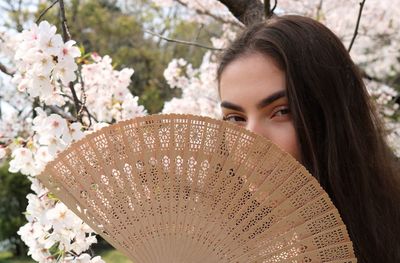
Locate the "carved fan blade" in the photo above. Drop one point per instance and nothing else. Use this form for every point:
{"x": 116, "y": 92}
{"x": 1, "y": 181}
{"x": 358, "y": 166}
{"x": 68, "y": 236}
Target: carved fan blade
{"x": 185, "y": 188}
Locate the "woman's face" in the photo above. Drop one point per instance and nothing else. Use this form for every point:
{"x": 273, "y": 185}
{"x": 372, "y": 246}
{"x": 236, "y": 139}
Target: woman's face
{"x": 252, "y": 90}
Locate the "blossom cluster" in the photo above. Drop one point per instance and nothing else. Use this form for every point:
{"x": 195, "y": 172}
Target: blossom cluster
{"x": 384, "y": 97}
{"x": 46, "y": 233}
{"x": 51, "y": 135}
{"x": 376, "y": 47}
{"x": 15, "y": 106}
{"x": 53, "y": 232}
{"x": 46, "y": 68}
{"x": 15, "y": 119}
{"x": 44, "y": 63}
{"x": 106, "y": 91}
{"x": 54, "y": 227}
{"x": 199, "y": 87}
{"x": 7, "y": 47}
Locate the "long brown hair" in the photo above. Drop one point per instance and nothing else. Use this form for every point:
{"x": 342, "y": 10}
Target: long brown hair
{"x": 341, "y": 138}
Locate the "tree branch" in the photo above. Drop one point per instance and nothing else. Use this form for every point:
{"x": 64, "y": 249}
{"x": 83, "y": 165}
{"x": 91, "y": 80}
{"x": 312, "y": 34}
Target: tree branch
{"x": 274, "y": 7}
{"x": 45, "y": 11}
{"x": 319, "y": 10}
{"x": 268, "y": 11}
{"x": 247, "y": 11}
{"x": 35, "y": 103}
{"x": 83, "y": 99}
{"x": 182, "y": 41}
{"x": 64, "y": 25}
{"x": 66, "y": 37}
{"x": 357, "y": 25}
{"x": 5, "y": 70}
{"x": 61, "y": 112}
{"x": 267, "y": 8}
{"x": 218, "y": 18}
{"x": 365, "y": 75}
{"x": 18, "y": 17}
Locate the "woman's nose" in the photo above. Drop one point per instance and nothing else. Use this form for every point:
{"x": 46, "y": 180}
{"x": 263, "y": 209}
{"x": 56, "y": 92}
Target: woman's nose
{"x": 254, "y": 126}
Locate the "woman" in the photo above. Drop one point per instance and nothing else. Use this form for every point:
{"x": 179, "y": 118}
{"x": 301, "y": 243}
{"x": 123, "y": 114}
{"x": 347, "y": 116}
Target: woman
{"x": 291, "y": 80}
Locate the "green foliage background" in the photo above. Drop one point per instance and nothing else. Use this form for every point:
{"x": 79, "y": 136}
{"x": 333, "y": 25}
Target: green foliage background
{"x": 13, "y": 202}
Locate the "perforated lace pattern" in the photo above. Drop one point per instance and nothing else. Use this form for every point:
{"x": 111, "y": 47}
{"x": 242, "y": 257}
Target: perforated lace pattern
{"x": 185, "y": 188}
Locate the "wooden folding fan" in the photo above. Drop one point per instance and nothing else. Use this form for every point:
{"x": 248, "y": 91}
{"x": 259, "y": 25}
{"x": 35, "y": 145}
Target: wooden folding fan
{"x": 185, "y": 188}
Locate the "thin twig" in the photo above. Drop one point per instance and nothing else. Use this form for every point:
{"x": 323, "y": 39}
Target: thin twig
{"x": 35, "y": 103}
{"x": 357, "y": 25}
{"x": 76, "y": 101}
{"x": 65, "y": 95}
{"x": 5, "y": 70}
{"x": 90, "y": 116}
{"x": 274, "y": 7}
{"x": 64, "y": 25}
{"x": 83, "y": 99}
{"x": 195, "y": 39}
{"x": 45, "y": 11}
{"x": 182, "y": 41}
{"x": 18, "y": 17}
{"x": 319, "y": 9}
{"x": 66, "y": 37}
{"x": 198, "y": 32}
{"x": 365, "y": 75}
{"x": 207, "y": 13}
{"x": 268, "y": 10}
{"x": 61, "y": 112}
{"x": 83, "y": 96}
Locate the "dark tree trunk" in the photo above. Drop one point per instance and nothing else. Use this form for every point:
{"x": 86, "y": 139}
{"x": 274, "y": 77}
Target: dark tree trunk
{"x": 246, "y": 11}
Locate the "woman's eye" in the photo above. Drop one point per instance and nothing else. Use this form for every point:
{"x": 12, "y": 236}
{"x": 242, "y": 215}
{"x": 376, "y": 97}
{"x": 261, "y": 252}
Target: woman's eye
{"x": 281, "y": 112}
{"x": 233, "y": 118}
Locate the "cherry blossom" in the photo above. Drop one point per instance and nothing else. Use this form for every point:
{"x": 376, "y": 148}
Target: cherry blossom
{"x": 200, "y": 92}
{"x": 43, "y": 59}
{"x": 107, "y": 91}
{"x": 22, "y": 161}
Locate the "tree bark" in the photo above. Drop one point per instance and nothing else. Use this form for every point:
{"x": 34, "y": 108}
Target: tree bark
{"x": 5, "y": 70}
{"x": 246, "y": 11}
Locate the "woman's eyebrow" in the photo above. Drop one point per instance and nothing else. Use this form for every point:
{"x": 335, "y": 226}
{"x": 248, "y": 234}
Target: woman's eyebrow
{"x": 263, "y": 103}
{"x": 271, "y": 98}
{"x": 231, "y": 106}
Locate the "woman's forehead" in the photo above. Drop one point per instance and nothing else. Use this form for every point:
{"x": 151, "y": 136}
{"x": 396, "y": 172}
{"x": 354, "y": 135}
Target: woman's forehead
{"x": 251, "y": 78}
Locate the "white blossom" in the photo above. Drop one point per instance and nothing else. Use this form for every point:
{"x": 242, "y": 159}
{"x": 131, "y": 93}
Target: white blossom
{"x": 22, "y": 161}
{"x": 131, "y": 108}
{"x": 42, "y": 59}
{"x": 200, "y": 91}
{"x": 107, "y": 91}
